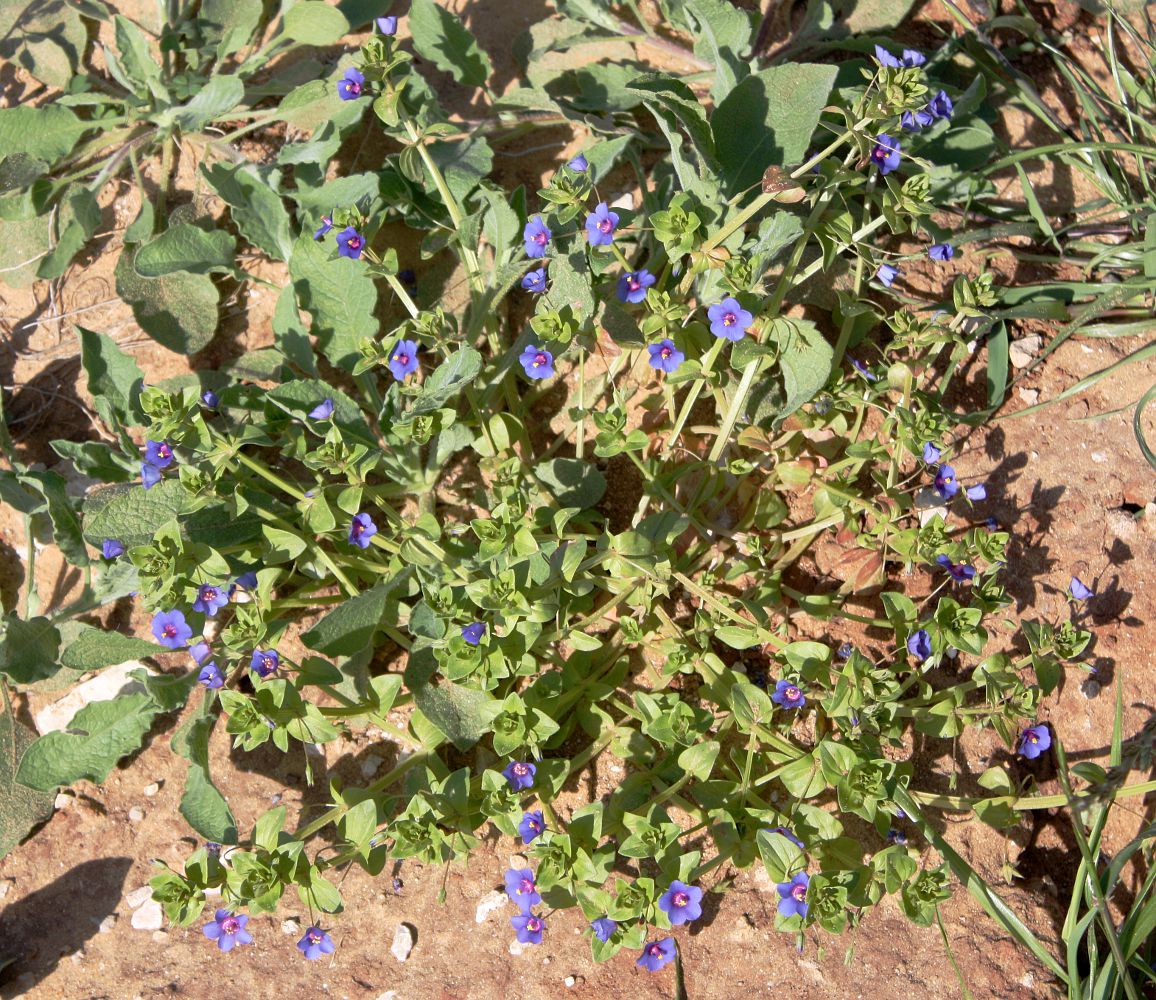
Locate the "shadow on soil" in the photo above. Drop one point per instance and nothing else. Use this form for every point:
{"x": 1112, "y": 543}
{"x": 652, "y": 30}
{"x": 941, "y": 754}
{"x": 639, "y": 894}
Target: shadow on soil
{"x": 40, "y": 929}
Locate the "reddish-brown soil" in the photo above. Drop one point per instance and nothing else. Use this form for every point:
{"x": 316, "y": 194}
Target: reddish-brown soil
{"x": 1069, "y": 482}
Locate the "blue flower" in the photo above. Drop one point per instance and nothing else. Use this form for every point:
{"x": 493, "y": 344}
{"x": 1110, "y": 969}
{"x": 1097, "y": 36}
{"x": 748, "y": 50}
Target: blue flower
{"x": 210, "y": 399}
{"x": 535, "y": 281}
{"x": 788, "y": 695}
{"x": 350, "y": 243}
{"x": 473, "y": 633}
{"x": 959, "y": 571}
{"x": 246, "y": 581}
{"x": 919, "y": 644}
{"x": 656, "y": 954}
{"x": 896, "y": 837}
{"x": 403, "y": 359}
{"x": 519, "y": 775}
{"x": 522, "y": 889}
{"x": 211, "y": 676}
{"x": 729, "y": 320}
{"x": 528, "y": 928}
{"x": 171, "y": 629}
{"x": 941, "y": 105}
{"x": 315, "y": 942}
{"x": 321, "y": 231}
{"x": 150, "y": 475}
{"x": 537, "y": 362}
{"x": 886, "y": 153}
{"x": 632, "y": 287}
{"x": 361, "y": 530}
{"x": 200, "y": 652}
{"x": 913, "y": 58}
{"x": 264, "y": 662}
{"x": 603, "y": 928}
{"x": 793, "y": 896}
{"x": 158, "y": 453}
{"x": 531, "y": 827}
{"x": 1079, "y": 590}
{"x": 210, "y": 599}
{"x": 863, "y": 370}
{"x": 579, "y": 164}
{"x": 322, "y": 411}
{"x": 946, "y": 485}
{"x": 600, "y": 225}
{"x": 349, "y": 87}
{"x": 110, "y": 548}
{"x": 844, "y": 651}
{"x": 785, "y": 832}
{"x": 976, "y": 492}
{"x": 886, "y": 58}
{"x": 387, "y": 25}
{"x": 886, "y": 274}
{"x": 228, "y": 930}
{"x": 916, "y": 121}
{"x": 1034, "y": 741}
{"x": 931, "y": 453}
{"x": 941, "y": 251}
{"x": 664, "y": 356}
{"x": 536, "y": 236}
{"x": 682, "y": 903}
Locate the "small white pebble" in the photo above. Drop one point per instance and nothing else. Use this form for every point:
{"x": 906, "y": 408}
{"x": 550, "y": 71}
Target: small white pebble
{"x": 291, "y": 926}
{"x": 135, "y": 814}
{"x": 5, "y": 886}
{"x": 516, "y": 947}
{"x": 61, "y": 801}
{"x": 160, "y": 936}
{"x": 151, "y": 789}
{"x": 108, "y": 923}
{"x": 138, "y": 897}
{"x": 148, "y": 916}
{"x": 402, "y": 942}
{"x": 1099, "y": 456}
{"x": 77, "y": 957}
{"x": 569, "y": 982}
{"x": 491, "y": 902}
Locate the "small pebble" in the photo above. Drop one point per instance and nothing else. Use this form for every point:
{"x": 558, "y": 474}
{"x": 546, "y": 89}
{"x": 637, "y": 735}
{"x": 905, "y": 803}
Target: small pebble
{"x": 488, "y": 904}
{"x": 160, "y": 936}
{"x": 402, "y": 942}
{"x": 370, "y": 766}
{"x": 108, "y": 923}
{"x": 1091, "y": 688}
{"x": 77, "y": 957}
{"x": 5, "y": 886}
{"x": 61, "y": 801}
{"x": 151, "y": 789}
{"x": 516, "y": 947}
{"x": 138, "y": 897}
{"x": 135, "y": 814}
{"x": 291, "y": 926}
{"x": 148, "y": 916}
{"x": 570, "y": 982}
{"x": 1029, "y": 396}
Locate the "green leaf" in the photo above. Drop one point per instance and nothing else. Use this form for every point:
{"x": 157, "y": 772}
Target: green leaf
{"x": 230, "y": 23}
{"x": 299, "y": 397}
{"x": 179, "y": 311}
{"x": 781, "y": 857}
{"x": 724, "y": 34}
{"x": 114, "y": 378}
{"x": 572, "y": 481}
{"x": 862, "y": 17}
{"x": 46, "y": 38}
{"x": 463, "y": 163}
{"x": 132, "y": 49}
{"x": 768, "y": 119}
{"x": 448, "y": 379}
{"x": 255, "y": 206}
{"x": 203, "y": 806}
{"x": 440, "y": 37}
{"x": 340, "y": 297}
{"x": 47, "y": 132}
{"x": 736, "y": 636}
{"x": 95, "y": 649}
{"x": 699, "y": 759}
{"x": 186, "y": 247}
{"x": 28, "y": 649}
{"x": 215, "y": 100}
{"x": 98, "y": 736}
{"x": 315, "y": 23}
{"x": 805, "y": 361}
{"x": 463, "y": 714}
{"x": 23, "y": 807}
{"x": 350, "y": 627}
{"x": 677, "y": 109}
{"x": 62, "y": 513}
{"x": 76, "y": 222}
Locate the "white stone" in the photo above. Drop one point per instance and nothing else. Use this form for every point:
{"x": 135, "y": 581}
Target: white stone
{"x": 1023, "y": 351}
{"x": 61, "y": 801}
{"x": 135, "y": 814}
{"x": 138, "y": 897}
{"x": 570, "y": 982}
{"x": 108, "y": 923}
{"x": 108, "y": 684}
{"x": 388, "y": 995}
{"x": 148, "y": 917}
{"x": 516, "y": 947}
{"x": 490, "y": 903}
{"x": 152, "y": 789}
{"x": 291, "y": 926}
{"x": 1029, "y": 396}
{"x": 5, "y": 886}
{"x": 1099, "y": 456}
{"x": 370, "y": 766}
{"x": 160, "y": 936}
{"x": 402, "y": 942}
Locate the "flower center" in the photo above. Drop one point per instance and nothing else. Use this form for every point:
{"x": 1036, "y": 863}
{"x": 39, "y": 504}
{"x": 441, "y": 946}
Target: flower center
{"x": 680, "y": 898}
{"x": 402, "y": 359}
{"x": 666, "y": 352}
{"x": 525, "y": 887}
{"x": 540, "y": 238}
{"x": 314, "y": 937}
{"x": 792, "y": 693}
{"x": 209, "y": 594}
{"x": 633, "y": 283}
{"x": 169, "y": 631}
{"x": 799, "y": 893}
{"x": 539, "y": 360}
{"x": 521, "y": 769}
{"x": 730, "y": 319}
{"x": 230, "y": 925}
{"x": 268, "y": 663}
{"x": 1033, "y": 738}
{"x": 605, "y": 225}
{"x": 354, "y": 87}
{"x": 358, "y": 527}
{"x": 533, "y": 924}
{"x": 354, "y": 242}
{"x": 165, "y": 451}
{"x": 653, "y": 950}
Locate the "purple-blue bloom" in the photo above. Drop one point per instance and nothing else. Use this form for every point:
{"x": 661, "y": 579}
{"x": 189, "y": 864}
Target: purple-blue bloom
{"x": 110, "y": 548}
{"x": 519, "y": 775}
{"x": 522, "y": 889}
{"x": 916, "y": 121}
{"x": 788, "y": 695}
{"x": 786, "y": 832}
{"x": 528, "y": 928}
{"x": 729, "y": 320}
{"x": 150, "y": 475}
{"x": 200, "y": 652}
{"x": 946, "y": 485}
{"x": 656, "y": 954}
{"x": 535, "y": 281}
{"x": 536, "y": 236}
{"x": 1034, "y": 741}
{"x": 863, "y": 370}
{"x": 913, "y": 58}
{"x": 931, "y": 453}
{"x": 211, "y": 676}
{"x": 886, "y": 275}
{"x": 315, "y": 942}
{"x": 387, "y": 25}
{"x": 473, "y": 632}
{"x": 350, "y": 243}
{"x": 361, "y": 530}
{"x": 941, "y": 105}
{"x": 919, "y": 644}
{"x": 976, "y": 492}
{"x": 321, "y": 231}
{"x": 941, "y": 251}
{"x": 844, "y": 651}
{"x": 403, "y": 359}
{"x": 664, "y": 356}
{"x": 632, "y": 287}
{"x": 682, "y": 903}
{"x": 531, "y": 827}
{"x": 579, "y": 164}
{"x": 886, "y": 153}
{"x": 1079, "y": 590}
{"x": 886, "y": 58}
{"x": 349, "y": 87}
{"x": 264, "y": 662}
{"x": 210, "y": 399}
{"x": 228, "y": 930}
{"x": 896, "y": 837}
{"x": 158, "y": 453}
{"x": 600, "y": 225}
{"x": 171, "y": 629}
{"x": 603, "y": 928}
{"x": 210, "y": 599}
{"x": 247, "y": 581}
{"x": 793, "y": 896}
{"x": 322, "y": 411}
{"x": 959, "y": 571}
{"x": 537, "y": 362}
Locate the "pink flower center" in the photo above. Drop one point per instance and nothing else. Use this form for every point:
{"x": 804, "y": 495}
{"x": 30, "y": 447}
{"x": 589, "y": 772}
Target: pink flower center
{"x": 230, "y": 925}
{"x": 354, "y": 242}
{"x": 169, "y": 631}
{"x": 354, "y": 87}
{"x": 314, "y": 937}
{"x": 525, "y": 887}
{"x": 540, "y": 360}
{"x": 402, "y": 359}
{"x": 540, "y": 238}
{"x": 358, "y": 527}
{"x": 1033, "y": 738}
{"x": 209, "y": 594}
{"x": 799, "y": 893}
{"x": 533, "y": 924}
{"x": 633, "y": 283}
{"x": 605, "y": 225}
{"x": 653, "y": 950}
{"x": 165, "y": 451}
{"x": 680, "y": 898}
{"x": 522, "y": 769}
{"x": 268, "y": 663}
{"x": 666, "y": 352}
{"x": 730, "y": 319}
{"x": 792, "y": 693}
